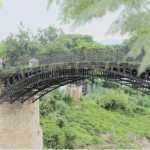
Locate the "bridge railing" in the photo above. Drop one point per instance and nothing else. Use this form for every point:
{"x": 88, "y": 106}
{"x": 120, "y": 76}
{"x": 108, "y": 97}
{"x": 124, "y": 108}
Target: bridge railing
{"x": 78, "y": 56}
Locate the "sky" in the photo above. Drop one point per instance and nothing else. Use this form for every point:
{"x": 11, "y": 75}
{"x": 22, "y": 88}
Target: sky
{"x": 34, "y": 14}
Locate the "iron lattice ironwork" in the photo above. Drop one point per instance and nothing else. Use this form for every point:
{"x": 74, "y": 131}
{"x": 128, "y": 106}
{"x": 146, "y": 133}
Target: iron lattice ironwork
{"x": 59, "y": 68}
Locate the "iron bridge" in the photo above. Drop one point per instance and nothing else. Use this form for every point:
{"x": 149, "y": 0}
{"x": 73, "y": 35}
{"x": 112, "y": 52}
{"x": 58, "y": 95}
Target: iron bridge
{"x": 59, "y": 68}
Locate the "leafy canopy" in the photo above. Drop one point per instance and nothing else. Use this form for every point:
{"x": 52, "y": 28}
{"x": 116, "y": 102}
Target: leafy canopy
{"x": 1, "y": 4}
{"x": 133, "y": 20}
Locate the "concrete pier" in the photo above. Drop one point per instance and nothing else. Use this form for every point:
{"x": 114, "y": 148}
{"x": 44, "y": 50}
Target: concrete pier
{"x": 19, "y": 126}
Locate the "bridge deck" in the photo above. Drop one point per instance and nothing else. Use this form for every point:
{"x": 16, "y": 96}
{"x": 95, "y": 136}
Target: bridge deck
{"x": 24, "y": 82}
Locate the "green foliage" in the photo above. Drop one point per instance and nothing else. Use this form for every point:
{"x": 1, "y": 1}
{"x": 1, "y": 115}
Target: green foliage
{"x": 115, "y": 101}
{"x": 137, "y": 98}
{"x": 2, "y": 50}
{"x": 111, "y": 85}
{"x": 53, "y": 135}
{"x": 1, "y": 4}
{"x": 68, "y": 99}
{"x": 111, "y": 111}
{"x": 71, "y": 135}
{"x": 55, "y": 101}
{"x": 49, "y": 34}
{"x": 78, "y": 41}
{"x": 21, "y": 47}
{"x": 135, "y": 22}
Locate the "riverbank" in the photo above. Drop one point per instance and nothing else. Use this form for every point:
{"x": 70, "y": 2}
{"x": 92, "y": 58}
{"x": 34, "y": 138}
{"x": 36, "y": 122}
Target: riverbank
{"x": 87, "y": 122}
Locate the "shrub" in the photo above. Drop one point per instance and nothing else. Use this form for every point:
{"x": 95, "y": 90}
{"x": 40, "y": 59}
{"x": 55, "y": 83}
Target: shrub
{"x": 47, "y": 106}
{"x": 54, "y": 137}
{"x": 115, "y": 101}
{"x": 110, "y": 85}
{"x": 61, "y": 107}
{"x": 141, "y": 110}
{"x": 68, "y": 99}
{"x": 70, "y": 135}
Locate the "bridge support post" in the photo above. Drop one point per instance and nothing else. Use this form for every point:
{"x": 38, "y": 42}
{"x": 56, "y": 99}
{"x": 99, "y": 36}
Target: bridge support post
{"x": 19, "y": 126}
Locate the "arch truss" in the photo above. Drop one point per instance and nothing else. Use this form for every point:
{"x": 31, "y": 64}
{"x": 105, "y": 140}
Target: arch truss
{"x": 39, "y": 81}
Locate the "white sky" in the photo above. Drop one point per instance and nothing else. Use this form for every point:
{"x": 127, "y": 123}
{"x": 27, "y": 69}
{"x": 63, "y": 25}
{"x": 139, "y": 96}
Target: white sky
{"x": 34, "y": 14}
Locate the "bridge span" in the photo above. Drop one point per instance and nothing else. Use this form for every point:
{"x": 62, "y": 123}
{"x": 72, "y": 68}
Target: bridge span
{"x": 59, "y": 68}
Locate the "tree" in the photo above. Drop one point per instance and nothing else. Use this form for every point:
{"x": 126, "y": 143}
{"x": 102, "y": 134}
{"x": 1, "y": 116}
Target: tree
{"x": 134, "y": 19}
{"x": 78, "y": 41}
{"x": 0, "y": 3}
{"x": 49, "y": 34}
{"x": 21, "y": 46}
{"x": 2, "y": 50}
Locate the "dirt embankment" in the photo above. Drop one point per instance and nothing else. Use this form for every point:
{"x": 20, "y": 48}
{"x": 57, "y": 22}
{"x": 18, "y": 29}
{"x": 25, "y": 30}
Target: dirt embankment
{"x": 135, "y": 142}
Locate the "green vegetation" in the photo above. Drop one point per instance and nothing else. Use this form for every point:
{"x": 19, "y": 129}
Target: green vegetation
{"x": 2, "y": 50}
{"x": 135, "y": 22}
{"x": 24, "y": 45}
{"x": 19, "y": 48}
{"x": 111, "y": 115}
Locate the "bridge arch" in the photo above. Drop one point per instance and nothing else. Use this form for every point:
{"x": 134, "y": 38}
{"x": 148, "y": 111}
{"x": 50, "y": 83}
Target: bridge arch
{"x": 45, "y": 79}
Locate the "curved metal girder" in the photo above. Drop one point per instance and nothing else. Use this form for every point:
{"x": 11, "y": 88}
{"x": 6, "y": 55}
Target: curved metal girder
{"x": 51, "y": 85}
{"x": 37, "y": 82}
